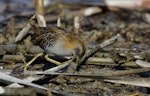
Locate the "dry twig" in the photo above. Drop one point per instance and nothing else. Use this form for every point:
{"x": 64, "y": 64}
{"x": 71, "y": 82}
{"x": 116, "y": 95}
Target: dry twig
{"x": 39, "y": 7}
{"x": 24, "y": 31}
{"x": 94, "y": 50}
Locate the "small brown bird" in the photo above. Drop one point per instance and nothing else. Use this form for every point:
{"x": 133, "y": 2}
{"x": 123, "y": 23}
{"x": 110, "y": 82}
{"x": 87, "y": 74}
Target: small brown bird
{"x": 57, "y": 41}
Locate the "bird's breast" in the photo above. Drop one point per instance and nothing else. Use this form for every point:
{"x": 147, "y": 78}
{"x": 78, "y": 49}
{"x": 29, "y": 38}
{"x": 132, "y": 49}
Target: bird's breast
{"x": 59, "y": 49}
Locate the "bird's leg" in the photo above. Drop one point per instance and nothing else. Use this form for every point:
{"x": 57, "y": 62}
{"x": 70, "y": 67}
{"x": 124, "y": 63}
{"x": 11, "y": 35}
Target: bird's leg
{"x": 51, "y": 60}
{"x": 32, "y": 60}
{"x": 77, "y": 59}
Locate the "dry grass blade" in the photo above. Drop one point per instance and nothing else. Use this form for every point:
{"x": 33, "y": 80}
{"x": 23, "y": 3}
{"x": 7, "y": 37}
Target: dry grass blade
{"x": 142, "y": 63}
{"x": 145, "y": 82}
{"x": 17, "y": 80}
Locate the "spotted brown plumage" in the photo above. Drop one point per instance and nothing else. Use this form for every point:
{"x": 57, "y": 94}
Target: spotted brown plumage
{"x": 58, "y": 41}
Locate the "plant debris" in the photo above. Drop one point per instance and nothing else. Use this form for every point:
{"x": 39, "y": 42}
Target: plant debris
{"x": 117, "y": 40}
